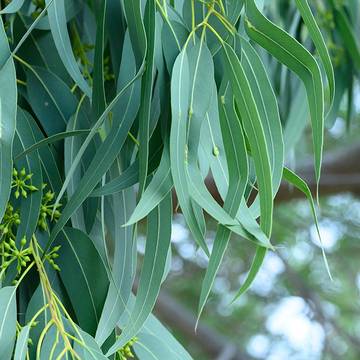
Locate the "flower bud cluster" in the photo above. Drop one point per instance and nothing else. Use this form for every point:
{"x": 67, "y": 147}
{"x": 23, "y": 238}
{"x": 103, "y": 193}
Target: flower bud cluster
{"x": 22, "y": 183}
{"x": 126, "y": 352}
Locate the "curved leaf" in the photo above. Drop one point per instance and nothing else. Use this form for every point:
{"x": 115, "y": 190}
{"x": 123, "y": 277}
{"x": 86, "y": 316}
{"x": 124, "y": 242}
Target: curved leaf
{"x": 157, "y": 246}
{"x": 159, "y": 186}
{"x": 8, "y": 105}
{"x": 7, "y": 320}
{"x": 180, "y": 101}
{"x": 79, "y": 256}
{"x": 58, "y": 26}
{"x": 319, "y": 42}
{"x": 22, "y": 343}
{"x": 291, "y": 53}
{"x": 13, "y": 7}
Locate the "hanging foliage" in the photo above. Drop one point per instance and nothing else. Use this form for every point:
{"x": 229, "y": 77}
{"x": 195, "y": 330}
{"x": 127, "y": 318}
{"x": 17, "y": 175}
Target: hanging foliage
{"x": 107, "y": 109}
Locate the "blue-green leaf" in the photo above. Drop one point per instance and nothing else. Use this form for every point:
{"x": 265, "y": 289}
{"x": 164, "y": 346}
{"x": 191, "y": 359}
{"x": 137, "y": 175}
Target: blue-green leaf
{"x": 8, "y": 105}
{"x": 22, "y": 343}
{"x": 50, "y": 98}
{"x": 58, "y": 25}
{"x": 156, "y": 251}
{"x": 30, "y": 207}
{"x": 7, "y": 320}
{"x": 79, "y": 256}
{"x": 159, "y": 186}
{"x": 13, "y": 7}
{"x": 180, "y": 101}
{"x": 295, "y": 56}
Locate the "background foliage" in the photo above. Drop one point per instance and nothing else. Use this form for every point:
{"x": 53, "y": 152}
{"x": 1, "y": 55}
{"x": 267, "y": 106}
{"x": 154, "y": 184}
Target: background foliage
{"x": 106, "y": 107}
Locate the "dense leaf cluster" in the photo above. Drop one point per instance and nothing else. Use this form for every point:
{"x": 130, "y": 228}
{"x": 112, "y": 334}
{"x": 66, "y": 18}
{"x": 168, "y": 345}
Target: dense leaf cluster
{"x": 114, "y": 104}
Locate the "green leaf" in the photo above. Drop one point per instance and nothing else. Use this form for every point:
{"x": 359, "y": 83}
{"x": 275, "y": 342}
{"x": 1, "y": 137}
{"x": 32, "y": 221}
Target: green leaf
{"x": 297, "y": 119}
{"x": 292, "y": 54}
{"x": 319, "y": 42}
{"x": 50, "y": 98}
{"x": 98, "y": 93}
{"x": 79, "y": 257}
{"x": 127, "y": 98}
{"x": 146, "y": 95}
{"x": 347, "y": 34}
{"x": 129, "y": 177}
{"x": 166, "y": 342}
{"x": 173, "y": 37}
{"x": 156, "y": 251}
{"x": 115, "y": 25}
{"x": 85, "y": 215}
{"x": 301, "y": 185}
{"x": 244, "y": 224}
{"x": 7, "y": 320}
{"x": 30, "y": 207}
{"x": 180, "y": 101}
{"x": 72, "y": 8}
{"x": 8, "y": 105}
{"x": 235, "y": 149}
{"x": 51, "y": 172}
{"x": 22, "y": 343}
{"x": 50, "y": 140}
{"x": 254, "y": 269}
{"x": 36, "y": 302}
{"x": 58, "y": 25}
{"x": 89, "y": 349}
{"x": 159, "y": 186}
{"x": 13, "y": 7}
{"x": 132, "y": 9}
{"x": 124, "y": 266}
{"x": 255, "y": 133}
{"x": 267, "y": 106}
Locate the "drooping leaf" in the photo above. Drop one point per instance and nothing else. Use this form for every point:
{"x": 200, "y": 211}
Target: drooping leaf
{"x": 301, "y": 185}
{"x": 129, "y": 177}
{"x": 79, "y": 256}
{"x": 30, "y": 207}
{"x": 320, "y": 44}
{"x": 180, "y": 101}
{"x": 255, "y": 133}
{"x": 291, "y": 53}
{"x": 136, "y": 30}
{"x": 8, "y": 106}
{"x": 50, "y": 140}
{"x": 146, "y": 95}
{"x": 238, "y": 178}
{"x": 153, "y": 329}
{"x": 49, "y": 98}
{"x": 13, "y": 7}
{"x": 110, "y": 148}
{"x": 98, "y": 92}
{"x": 157, "y": 246}
{"x": 124, "y": 266}
{"x": 7, "y": 320}
{"x": 159, "y": 186}
{"x": 22, "y": 343}
{"x": 58, "y": 25}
